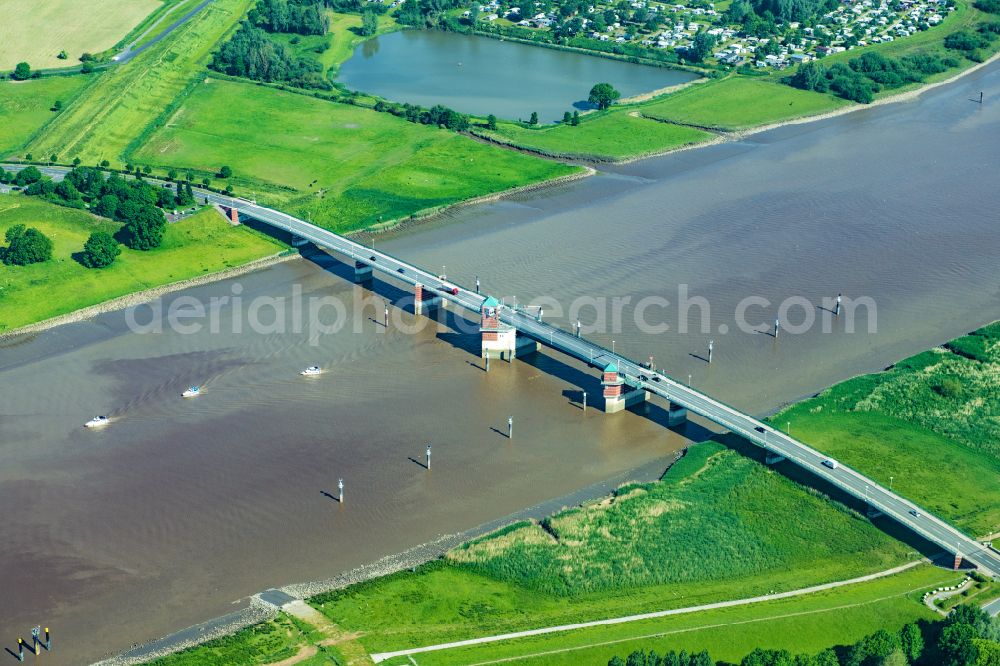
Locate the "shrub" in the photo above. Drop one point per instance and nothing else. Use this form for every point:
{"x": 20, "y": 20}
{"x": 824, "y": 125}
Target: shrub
{"x": 991, "y": 6}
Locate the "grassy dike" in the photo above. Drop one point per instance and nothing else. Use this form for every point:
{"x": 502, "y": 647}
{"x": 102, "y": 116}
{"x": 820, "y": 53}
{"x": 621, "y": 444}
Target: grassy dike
{"x": 198, "y": 245}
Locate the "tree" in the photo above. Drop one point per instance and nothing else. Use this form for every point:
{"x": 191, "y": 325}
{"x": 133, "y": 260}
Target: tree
{"x": 894, "y": 658}
{"x": 576, "y": 119}
{"x": 616, "y": 661}
{"x": 145, "y": 227}
{"x": 225, "y": 172}
{"x": 76, "y": 161}
{"x": 369, "y": 23}
{"x": 106, "y": 206}
{"x": 105, "y": 164}
{"x": 603, "y": 95}
{"x": 57, "y": 105}
{"x": 172, "y": 174}
{"x": 956, "y": 645}
{"x": 912, "y": 642}
{"x": 100, "y": 250}
{"x": 147, "y": 169}
{"x": 53, "y": 158}
{"x": 534, "y": 118}
{"x": 567, "y": 118}
{"x": 27, "y": 176}
{"x": 26, "y": 246}
{"x": 205, "y": 182}
{"x": 702, "y": 659}
{"x": 87, "y": 68}
{"x": 701, "y": 47}
{"x": 491, "y": 122}
{"x": 62, "y": 55}
{"x": 22, "y": 71}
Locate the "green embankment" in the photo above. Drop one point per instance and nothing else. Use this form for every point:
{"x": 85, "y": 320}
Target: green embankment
{"x": 929, "y": 423}
{"x": 203, "y": 243}
{"x": 707, "y": 532}
{"x": 110, "y": 114}
{"x": 740, "y": 102}
{"x": 808, "y": 624}
{"x": 25, "y": 106}
{"x": 613, "y": 135}
{"x": 346, "y": 166}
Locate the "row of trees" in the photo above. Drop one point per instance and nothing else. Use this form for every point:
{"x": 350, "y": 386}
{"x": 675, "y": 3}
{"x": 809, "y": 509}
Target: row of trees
{"x": 860, "y": 78}
{"x": 438, "y": 115}
{"x": 967, "y": 637}
{"x": 253, "y": 54}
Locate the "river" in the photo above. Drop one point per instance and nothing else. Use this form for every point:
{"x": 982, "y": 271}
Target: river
{"x": 182, "y": 508}
{"x": 481, "y": 75}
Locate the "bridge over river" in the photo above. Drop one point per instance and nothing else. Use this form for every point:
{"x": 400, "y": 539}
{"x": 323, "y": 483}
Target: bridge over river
{"x": 625, "y": 380}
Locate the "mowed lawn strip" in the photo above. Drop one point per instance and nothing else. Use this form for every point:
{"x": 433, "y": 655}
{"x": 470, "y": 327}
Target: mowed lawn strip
{"x": 613, "y": 135}
{"x": 201, "y": 244}
{"x": 35, "y": 32}
{"x": 349, "y": 167}
{"x": 106, "y": 118}
{"x": 926, "y": 426}
{"x": 739, "y": 103}
{"x": 706, "y": 533}
{"x": 25, "y": 106}
{"x": 804, "y": 624}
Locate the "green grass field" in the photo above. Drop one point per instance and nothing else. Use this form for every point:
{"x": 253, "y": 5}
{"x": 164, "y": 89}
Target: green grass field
{"x": 172, "y": 10}
{"x": 804, "y": 624}
{"x": 367, "y": 166}
{"x": 25, "y": 106}
{"x": 614, "y": 135}
{"x": 740, "y": 102}
{"x": 37, "y": 31}
{"x": 928, "y": 423}
{"x": 342, "y": 38}
{"x": 110, "y": 114}
{"x": 203, "y": 243}
{"x": 643, "y": 551}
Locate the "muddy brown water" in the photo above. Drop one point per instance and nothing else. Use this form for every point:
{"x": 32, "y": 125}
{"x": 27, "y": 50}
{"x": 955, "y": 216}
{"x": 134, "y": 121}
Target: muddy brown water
{"x": 182, "y": 508}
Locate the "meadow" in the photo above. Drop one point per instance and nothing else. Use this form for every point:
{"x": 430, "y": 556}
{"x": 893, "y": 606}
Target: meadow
{"x": 345, "y": 166}
{"x": 342, "y": 38}
{"x": 201, "y": 244}
{"x": 740, "y": 102}
{"x": 805, "y": 624}
{"x": 36, "y": 32}
{"x": 26, "y": 106}
{"x": 704, "y": 533}
{"x": 926, "y": 426}
{"x": 612, "y": 135}
{"x": 124, "y": 101}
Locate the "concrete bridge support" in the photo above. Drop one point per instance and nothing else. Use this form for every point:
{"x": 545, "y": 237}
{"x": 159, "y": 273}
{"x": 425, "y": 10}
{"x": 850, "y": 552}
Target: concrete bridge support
{"x": 772, "y": 458}
{"x": 362, "y": 273}
{"x": 500, "y": 340}
{"x": 873, "y": 513}
{"x": 617, "y": 394}
{"x": 425, "y": 303}
{"x": 676, "y": 415}
{"x": 298, "y": 241}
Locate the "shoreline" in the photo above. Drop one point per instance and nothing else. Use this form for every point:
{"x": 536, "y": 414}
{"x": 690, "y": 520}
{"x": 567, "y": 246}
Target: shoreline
{"x": 146, "y": 295}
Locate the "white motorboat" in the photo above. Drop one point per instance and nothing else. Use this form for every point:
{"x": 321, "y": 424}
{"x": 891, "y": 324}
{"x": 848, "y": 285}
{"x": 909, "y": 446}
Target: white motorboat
{"x": 191, "y": 392}
{"x": 97, "y": 422}
{"x": 311, "y": 370}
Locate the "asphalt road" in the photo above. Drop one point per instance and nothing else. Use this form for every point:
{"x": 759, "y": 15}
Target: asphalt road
{"x": 903, "y": 511}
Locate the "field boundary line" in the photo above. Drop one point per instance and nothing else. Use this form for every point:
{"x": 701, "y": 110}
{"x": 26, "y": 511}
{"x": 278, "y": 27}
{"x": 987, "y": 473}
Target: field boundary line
{"x": 382, "y": 656}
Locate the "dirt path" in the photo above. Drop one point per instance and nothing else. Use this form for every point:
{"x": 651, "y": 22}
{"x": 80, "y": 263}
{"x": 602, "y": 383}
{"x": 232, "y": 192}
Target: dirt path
{"x": 945, "y": 594}
{"x": 379, "y": 657}
{"x": 344, "y": 641}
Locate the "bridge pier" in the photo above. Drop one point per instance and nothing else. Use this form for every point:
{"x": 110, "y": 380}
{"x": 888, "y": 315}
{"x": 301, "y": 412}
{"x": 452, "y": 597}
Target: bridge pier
{"x": 424, "y": 304}
{"x": 363, "y": 273}
{"x": 617, "y": 394}
{"x": 873, "y": 513}
{"x": 772, "y": 458}
{"x": 500, "y": 340}
{"x": 298, "y": 241}
{"x": 676, "y": 415}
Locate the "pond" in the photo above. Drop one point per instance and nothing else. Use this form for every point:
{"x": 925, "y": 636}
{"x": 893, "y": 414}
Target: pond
{"x": 481, "y": 75}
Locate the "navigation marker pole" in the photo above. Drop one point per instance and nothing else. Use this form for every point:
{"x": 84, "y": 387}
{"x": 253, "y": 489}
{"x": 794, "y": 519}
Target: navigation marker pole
{"x": 340, "y": 486}
{"x": 510, "y": 427}
{"x": 385, "y": 322}
{"x": 711, "y": 345}
{"x": 836, "y": 312}
{"x": 777, "y": 326}
{"x": 577, "y": 328}
{"x": 477, "y": 284}
{"x": 980, "y": 96}
{"x": 428, "y": 457}
{"x": 20, "y": 649}
{"x": 487, "y": 364}
{"x": 584, "y": 402}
